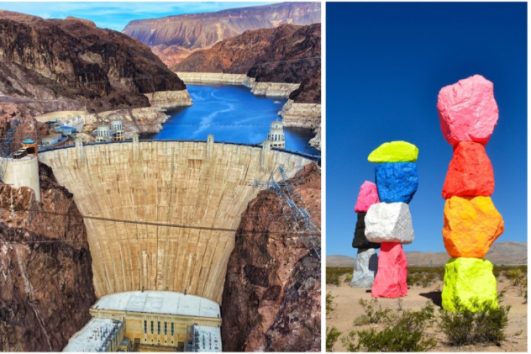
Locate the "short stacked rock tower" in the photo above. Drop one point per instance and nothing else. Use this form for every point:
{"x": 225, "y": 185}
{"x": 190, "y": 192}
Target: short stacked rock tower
{"x": 468, "y": 113}
{"x": 389, "y": 222}
{"x": 366, "y": 261}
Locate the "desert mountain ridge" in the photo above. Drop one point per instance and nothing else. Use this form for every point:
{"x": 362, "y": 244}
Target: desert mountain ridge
{"x": 73, "y": 61}
{"x": 287, "y": 53}
{"x": 501, "y": 253}
{"x": 173, "y": 38}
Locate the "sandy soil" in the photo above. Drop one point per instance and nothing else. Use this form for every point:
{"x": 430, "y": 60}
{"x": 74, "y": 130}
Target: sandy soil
{"x": 346, "y": 308}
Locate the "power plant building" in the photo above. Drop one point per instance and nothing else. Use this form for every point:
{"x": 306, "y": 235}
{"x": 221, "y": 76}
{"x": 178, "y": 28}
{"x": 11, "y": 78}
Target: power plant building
{"x": 98, "y": 335}
{"x": 159, "y": 320}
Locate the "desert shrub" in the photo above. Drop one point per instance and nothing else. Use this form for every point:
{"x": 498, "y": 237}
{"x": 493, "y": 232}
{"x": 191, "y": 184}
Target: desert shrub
{"x": 329, "y": 303}
{"x": 372, "y": 313}
{"x": 518, "y": 278}
{"x": 332, "y": 335}
{"x": 404, "y": 333}
{"x": 333, "y": 274}
{"x": 485, "y": 325}
{"x": 424, "y": 276}
{"x": 348, "y": 278}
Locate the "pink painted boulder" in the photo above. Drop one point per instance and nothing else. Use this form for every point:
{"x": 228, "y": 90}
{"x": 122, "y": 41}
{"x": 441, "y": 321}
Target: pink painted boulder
{"x": 367, "y": 196}
{"x": 391, "y": 278}
{"x": 468, "y": 110}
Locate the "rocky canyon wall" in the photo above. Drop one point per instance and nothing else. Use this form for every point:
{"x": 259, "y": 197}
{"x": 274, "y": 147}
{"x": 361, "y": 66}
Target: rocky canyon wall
{"x": 45, "y": 267}
{"x": 272, "y": 294}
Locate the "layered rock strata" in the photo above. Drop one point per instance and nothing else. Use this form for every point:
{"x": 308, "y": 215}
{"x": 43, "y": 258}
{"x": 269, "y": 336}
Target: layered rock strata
{"x": 389, "y": 222}
{"x": 272, "y": 294}
{"x": 45, "y": 267}
{"x": 176, "y": 37}
{"x": 468, "y": 115}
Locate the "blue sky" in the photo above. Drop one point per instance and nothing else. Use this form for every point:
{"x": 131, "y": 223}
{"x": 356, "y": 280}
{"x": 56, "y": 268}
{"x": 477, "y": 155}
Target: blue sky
{"x": 385, "y": 65}
{"x": 115, "y": 15}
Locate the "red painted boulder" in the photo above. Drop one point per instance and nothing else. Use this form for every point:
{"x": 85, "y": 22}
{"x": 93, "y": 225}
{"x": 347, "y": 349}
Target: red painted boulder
{"x": 391, "y": 278}
{"x": 367, "y": 196}
{"x": 470, "y": 172}
{"x": 468, "y": 110}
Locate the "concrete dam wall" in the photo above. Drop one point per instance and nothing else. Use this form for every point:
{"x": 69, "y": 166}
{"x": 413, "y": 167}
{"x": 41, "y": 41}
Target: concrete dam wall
{"x": 194, "y": 184}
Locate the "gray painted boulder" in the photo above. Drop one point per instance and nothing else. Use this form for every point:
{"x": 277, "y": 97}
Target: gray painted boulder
{"x": 365, "y": 267}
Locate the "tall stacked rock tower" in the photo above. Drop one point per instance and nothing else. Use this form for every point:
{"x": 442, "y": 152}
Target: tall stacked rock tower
{"x": 468, "y": 113}
{"x": 366, "y": 260}
{"x": 389, "y": 222}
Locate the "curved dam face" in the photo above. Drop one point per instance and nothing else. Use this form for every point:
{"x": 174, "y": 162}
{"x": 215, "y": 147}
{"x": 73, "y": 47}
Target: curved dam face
{"x": 198, "y": 185}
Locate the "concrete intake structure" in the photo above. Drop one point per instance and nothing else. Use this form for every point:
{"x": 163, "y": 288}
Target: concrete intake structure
{"x": 198, "y": 184}
{"x": 23, "y": 172}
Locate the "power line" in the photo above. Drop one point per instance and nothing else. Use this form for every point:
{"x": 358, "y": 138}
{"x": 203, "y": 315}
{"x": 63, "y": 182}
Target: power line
{"x": 170, "y": 225}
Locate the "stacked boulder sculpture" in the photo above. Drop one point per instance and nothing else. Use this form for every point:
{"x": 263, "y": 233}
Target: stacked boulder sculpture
{"x": 468, "y": 114}
{"x": 388, "y": 222}
{"x": 366, "y": 260}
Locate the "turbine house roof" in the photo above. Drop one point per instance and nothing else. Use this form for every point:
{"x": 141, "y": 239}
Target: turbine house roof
{"x": 162, "y": 302}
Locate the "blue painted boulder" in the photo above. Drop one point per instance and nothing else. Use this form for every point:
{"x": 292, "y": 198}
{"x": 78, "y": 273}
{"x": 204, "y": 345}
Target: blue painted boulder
{"x": 396, "y": 181}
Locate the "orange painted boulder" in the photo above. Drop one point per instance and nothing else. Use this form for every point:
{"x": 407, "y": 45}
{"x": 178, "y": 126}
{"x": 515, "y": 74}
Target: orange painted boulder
{"x": 391, "y": 277}
{"x": 471, "y": 225}
{"x": 470, "y": 172}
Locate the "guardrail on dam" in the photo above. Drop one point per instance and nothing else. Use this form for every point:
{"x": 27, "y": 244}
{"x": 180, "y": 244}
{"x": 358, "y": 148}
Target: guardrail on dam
{"x": 204, "y": 186}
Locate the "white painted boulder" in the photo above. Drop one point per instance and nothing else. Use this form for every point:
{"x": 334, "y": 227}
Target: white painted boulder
{"x": 389, "y": 222}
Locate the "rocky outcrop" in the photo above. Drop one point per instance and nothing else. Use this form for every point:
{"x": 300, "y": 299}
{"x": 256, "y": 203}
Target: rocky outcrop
{"x": 271, "y": 299}
{"x": 174, "y": 37}
{"x": 60, "y": 65}
{"x": 168, "y": 100}
{"x": 287, "y": 54}
{"x": 74, "y": 60}
{"x": 45, "y": 268}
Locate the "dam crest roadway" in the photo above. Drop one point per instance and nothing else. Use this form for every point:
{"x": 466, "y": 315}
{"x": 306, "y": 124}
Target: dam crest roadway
{"x": 203, "y": 185}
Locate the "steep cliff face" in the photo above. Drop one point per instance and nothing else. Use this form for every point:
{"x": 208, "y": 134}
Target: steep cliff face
{"x": 287, "y": 53}
{"x": 45, "y": 268}
{"x": 171, "y": 37}
{"x": 272, "y": 293}
{"x": 74, "y": 62}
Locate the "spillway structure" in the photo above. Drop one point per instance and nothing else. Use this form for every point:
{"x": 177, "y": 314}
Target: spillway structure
{"x": 162, "y": 215}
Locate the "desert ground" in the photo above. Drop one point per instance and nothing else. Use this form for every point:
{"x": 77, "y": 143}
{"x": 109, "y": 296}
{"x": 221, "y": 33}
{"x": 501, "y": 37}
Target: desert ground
{"x": 346, "y": 308}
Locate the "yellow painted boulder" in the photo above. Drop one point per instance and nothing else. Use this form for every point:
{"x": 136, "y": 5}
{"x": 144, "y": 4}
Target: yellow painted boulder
{"x": 471, "y": 225}
{"x": 470, "y": 283}
{"x": 395, "y": 151}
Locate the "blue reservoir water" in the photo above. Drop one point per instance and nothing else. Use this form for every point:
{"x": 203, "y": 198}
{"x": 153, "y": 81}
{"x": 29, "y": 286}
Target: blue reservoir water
{"x": 232, "y": 114}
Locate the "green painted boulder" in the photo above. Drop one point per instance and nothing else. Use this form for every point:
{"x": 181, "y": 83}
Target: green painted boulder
{"x": 470, "y": 283}
{"x": 394, "y": 151}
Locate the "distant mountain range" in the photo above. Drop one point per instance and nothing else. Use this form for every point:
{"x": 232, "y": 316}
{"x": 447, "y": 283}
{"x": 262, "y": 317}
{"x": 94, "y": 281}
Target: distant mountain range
{"x": 501, "y": 253}
{"x": 175, "y": 37}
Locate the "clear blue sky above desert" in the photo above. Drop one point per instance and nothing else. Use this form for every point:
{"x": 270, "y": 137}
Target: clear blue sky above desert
{"x": 386, "y": 63}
